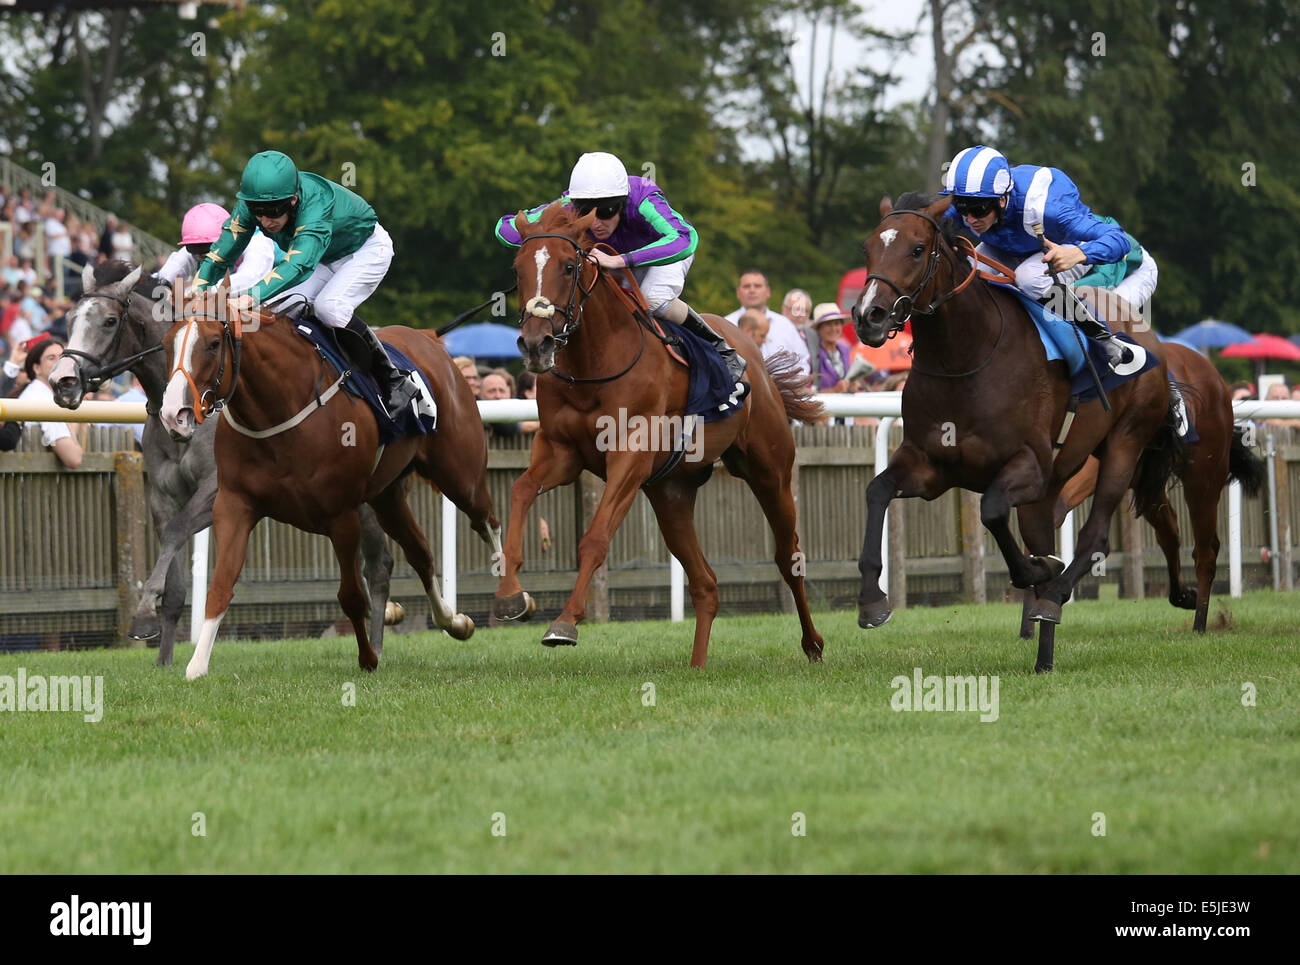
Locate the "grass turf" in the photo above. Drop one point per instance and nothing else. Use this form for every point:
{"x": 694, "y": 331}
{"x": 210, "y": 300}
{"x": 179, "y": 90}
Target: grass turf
{"x": 1142, "y": 721}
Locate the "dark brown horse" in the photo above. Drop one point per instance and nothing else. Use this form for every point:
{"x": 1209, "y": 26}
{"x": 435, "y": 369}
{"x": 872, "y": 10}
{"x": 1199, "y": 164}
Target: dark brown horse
{"x": 982, "y": 408}
{"x": 612, "y": 366}
{"x": 1217, "y": 456}
{"x": 313, "y": 473}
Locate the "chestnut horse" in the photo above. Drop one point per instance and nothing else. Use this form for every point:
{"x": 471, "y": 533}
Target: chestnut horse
{"x": 613, "y": 364}
{"x": 315, "y": 472}
{"x": 983, "y": 406}
{"x": 1217, "y": 456}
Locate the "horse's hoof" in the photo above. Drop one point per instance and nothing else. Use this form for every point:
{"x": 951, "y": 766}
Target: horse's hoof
{"x": 368, "y": 661}
{"x": 519, "y": 607}
{"x": 1052, "y": 566}
{"x": 813, "y": 650}
{"x": 160, "y": 662}
{"x": 1045, "y": 611}
{"x": 394, "y": 613}
{"x": 876, "y": 614}
{"x": 561, "y": 635}
{"x": 194, "y": 673}
{"x": 1184, "y": 599}
{"x": 1042, "y": 668}
{"x": 144, "y": 627}
{"x": 462, "y": 627}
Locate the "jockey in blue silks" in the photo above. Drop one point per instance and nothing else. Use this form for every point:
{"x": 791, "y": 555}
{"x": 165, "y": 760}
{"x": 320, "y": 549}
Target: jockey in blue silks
{"x": 1002, "y": 205}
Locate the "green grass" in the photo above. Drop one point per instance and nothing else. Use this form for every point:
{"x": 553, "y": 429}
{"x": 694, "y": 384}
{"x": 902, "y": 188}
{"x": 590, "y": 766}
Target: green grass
{"x": 1142, "y": 720}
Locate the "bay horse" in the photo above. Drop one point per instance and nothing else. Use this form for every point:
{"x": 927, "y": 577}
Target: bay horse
{"x": 117, "y": 324}
{"x": 983, "y": 406}
{"x": 1219, "y": 454}
{"x": 310, "y": 456}
{"x": 613, "y": 363}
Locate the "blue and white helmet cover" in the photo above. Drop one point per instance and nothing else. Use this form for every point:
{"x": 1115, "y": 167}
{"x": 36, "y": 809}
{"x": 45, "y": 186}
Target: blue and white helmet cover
{"x": 978, "y": 172}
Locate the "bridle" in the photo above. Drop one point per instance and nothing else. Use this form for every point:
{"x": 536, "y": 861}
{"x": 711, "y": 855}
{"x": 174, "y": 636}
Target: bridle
{"x": 97, "y": 372}
{"x": 541, "y": 307}
{"x": 905, "y": 304}
{"x": 232, "y": 336}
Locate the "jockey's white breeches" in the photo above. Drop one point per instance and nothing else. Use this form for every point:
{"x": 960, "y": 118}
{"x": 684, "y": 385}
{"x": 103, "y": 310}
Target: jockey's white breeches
{"x": 1138, "y": 286}
{"x": 662, "y": 283}
{"x": 336, "y": 288}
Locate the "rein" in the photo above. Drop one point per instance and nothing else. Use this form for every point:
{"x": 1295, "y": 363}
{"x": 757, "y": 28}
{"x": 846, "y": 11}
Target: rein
{"x": 939, "y": 248}
{"x": 540, "y": 307}
{"x": 232, "y": 336}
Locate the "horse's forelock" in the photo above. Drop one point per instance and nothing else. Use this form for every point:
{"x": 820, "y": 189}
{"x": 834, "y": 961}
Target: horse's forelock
{"x": 111, "y": 271}
{"x": 919, "y": 201}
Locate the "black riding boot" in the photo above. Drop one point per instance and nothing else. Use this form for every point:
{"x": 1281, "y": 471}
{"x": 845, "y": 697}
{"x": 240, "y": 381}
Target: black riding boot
{"x": 396, "y": 387}
{"x": 1117, "y": 353}
{"x": 734, "y": 362}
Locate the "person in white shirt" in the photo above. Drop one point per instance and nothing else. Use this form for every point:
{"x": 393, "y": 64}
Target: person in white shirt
{"x": 42, "y": 353}
{"x": 57, "y": 239}
{"x": 201, "y": 227}
{"x": 753, "y": 291}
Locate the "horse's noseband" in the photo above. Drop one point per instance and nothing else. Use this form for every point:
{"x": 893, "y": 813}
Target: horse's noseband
{"x": 98, "y": 372}
{"x": 539, "y": 306}
{"x": 905, "y": 304}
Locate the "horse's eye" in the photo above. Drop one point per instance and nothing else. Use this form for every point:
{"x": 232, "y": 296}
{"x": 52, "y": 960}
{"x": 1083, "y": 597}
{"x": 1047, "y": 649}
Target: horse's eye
{"x": 214, "y": 344}
{"x": 568, "y": 267}
{"x": 110, "y": 322}
{"x": 918, "y": 251}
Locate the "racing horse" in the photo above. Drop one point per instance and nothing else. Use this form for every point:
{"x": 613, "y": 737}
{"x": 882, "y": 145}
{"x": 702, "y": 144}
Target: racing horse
{"x": 118, "y": 325}
{"x": 310, "y": 456}
{"x": 983, "y": 408}
{"x": 1217, "y": 455}
{"x": 614, "y": 362}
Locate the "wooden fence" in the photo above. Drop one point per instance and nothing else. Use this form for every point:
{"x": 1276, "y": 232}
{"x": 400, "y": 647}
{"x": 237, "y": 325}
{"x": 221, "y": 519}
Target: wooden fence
{"x": 75, "y": 546}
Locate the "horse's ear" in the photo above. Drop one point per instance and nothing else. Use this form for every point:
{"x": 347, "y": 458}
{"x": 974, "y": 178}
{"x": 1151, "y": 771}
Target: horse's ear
{"x": 123, "y": 288}
{"x": 88, "y": 278}
{"x": 940, "y": 207}
{"x": 585, "y": 222}
{"x": 886, "y": 205}
{"x": 521, "y": 224}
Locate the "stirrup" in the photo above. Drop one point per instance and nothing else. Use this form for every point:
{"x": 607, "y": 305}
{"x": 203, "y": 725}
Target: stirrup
{"x": 1122, "y": 358}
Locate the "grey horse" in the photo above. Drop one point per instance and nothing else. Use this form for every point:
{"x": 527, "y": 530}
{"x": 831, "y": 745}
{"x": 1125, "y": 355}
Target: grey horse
{"x": 117, "y": 325}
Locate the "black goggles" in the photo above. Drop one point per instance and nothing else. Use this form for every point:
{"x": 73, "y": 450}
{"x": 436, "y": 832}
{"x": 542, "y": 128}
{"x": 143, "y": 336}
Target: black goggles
{"x": 606, "y": 208}
{"x": 270, "y": 209}
{"x": 975, "y": 207}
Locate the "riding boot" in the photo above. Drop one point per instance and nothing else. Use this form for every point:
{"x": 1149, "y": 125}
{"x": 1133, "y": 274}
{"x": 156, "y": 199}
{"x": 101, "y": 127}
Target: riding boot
{"x": 1118, "y": 355}
{"x": 396, "y": 388}
{"x": 678, "y": 311}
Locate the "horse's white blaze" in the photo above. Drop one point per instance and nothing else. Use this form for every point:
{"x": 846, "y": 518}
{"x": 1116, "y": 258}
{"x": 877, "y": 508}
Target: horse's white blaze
{"x": 65, "y": 367}
{"x": 540, "y": 258}
{"x": 888, "y": 236}
{"x": 867, "y": 298}
{"x": 198, "y": 665}
{"x": 174, "y": 395}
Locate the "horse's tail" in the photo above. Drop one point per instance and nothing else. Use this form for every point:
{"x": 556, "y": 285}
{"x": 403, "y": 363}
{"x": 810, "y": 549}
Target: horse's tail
{"x": 788, "y": 374}
{"x": 1244, "y": 465}
{"x": 1164, "y": 457}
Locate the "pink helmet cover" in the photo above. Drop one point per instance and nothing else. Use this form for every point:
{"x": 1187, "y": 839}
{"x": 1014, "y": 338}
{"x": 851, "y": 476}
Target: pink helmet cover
{"x": 202, "y": 223}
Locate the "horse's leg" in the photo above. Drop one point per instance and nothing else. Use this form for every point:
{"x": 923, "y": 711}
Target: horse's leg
{"x": 1038, "y": 526}
{"x": 1165, "y": 523}
{"x": 674, "y": 506}
{"x": 193, "y": 517}
{"x": 173, "y": 602}
{"x": 395, "y": 516}
{"x": 769, "y": 480}
{"x": 625, "y": 471}
{"x": 377, "y": 569}
{"x": 909, "y": 473}
{"x": 1113, "y": 479}
{"x": 548, "y": 466}
{"x": 232, "y": 520}
{"x": 1202, "y": 490}
{"x": 1018, "y": 482}
{"x": 345, "y": 534}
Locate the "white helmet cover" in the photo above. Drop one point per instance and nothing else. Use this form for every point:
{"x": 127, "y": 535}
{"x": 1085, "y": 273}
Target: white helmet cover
{"x": 598, "y": 175}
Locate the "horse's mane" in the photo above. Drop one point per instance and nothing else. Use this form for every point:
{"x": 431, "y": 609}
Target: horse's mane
{"x": 114, "y": 270}
{"x": 560, "y": 218}
{"x": 919, "y": 200}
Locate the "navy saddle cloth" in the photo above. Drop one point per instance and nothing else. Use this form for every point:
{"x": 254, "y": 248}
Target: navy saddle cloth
{"x": 710, "y": 394}
{"x": 362, "y": 385}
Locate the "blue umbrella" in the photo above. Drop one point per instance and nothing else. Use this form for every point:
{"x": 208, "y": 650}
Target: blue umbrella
{"x": 487, "y": 339}
{"x": 1212, "y": 333}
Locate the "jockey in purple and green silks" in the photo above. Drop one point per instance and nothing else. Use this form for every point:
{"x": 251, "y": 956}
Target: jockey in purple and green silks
{"x": 634, "y": 218}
